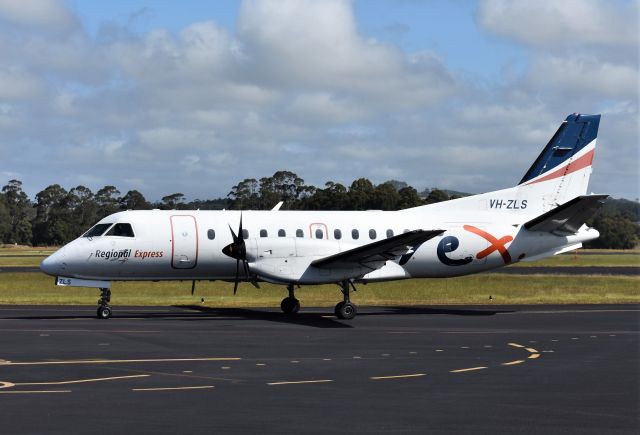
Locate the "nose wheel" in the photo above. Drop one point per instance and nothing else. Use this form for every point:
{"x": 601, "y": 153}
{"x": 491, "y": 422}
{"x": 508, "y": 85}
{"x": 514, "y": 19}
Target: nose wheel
{"x": 104, "y": 309}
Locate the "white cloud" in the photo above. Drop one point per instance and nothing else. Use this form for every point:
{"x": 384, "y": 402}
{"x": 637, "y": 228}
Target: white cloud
{"x": 586, "y": 75}
{"x": 559, "y": 24}
{"x": 299, "y": 87}
{"x": 48, "y": 15}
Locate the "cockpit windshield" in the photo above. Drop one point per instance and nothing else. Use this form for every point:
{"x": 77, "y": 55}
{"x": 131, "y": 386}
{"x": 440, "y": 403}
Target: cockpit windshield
{"x": 121, "y": 230}
{"x": 97, "y": 230}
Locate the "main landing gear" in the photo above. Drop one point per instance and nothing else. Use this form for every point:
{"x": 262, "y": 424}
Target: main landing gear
{"x": 104, "y": 309}
{"x": 345, "y": 309}
{"x": 290, "y": 305}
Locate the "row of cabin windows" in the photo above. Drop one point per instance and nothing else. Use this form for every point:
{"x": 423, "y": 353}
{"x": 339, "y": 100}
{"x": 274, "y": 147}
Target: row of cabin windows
{"x": 319, "y": 234}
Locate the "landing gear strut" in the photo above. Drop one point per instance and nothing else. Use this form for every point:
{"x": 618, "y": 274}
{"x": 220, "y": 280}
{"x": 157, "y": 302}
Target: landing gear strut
{"x": 290, "y": 305}
{"x": 345, "y": 309}
{"x": 104, "y": 309}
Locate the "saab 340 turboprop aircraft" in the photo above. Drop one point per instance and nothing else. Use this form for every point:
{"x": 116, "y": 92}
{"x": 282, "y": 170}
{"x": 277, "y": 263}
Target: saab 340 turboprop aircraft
{"x": 543, "y": 215}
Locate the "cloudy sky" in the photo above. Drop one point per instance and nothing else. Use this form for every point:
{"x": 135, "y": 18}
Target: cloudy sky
{"x": 194, "y": 96}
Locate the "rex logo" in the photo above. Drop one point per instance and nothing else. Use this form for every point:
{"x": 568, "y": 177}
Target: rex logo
{"x": 451, "y": 243}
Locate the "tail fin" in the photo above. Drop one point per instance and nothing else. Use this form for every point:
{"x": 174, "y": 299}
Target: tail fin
{"x": 563, "y": 168}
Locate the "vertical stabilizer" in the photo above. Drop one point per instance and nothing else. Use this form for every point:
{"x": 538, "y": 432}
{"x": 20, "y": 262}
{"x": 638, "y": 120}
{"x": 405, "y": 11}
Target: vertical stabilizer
{"x": 561, "y": 172}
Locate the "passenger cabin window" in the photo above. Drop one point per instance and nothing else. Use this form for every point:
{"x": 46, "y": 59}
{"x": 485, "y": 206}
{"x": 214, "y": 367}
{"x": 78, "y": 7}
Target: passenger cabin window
{"x": 319, "y": 234}
{"x": 97, "y": 230}
{"x": 372, "y": 234}
{"x": 282, "y": 233}
{"x": 245, "y": 234}
{"x": 355, "y": 234}
{"x": 121, "y": 230}
{"x": 263, "y": 233}
{"x": 337, "y": 234}
{"x": 211, "y": 234}
{"x": 299, "y": 233}
{"x": 389, "y": 233}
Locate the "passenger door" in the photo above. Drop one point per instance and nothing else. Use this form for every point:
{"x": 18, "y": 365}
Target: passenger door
{"x": 184, "y": 242}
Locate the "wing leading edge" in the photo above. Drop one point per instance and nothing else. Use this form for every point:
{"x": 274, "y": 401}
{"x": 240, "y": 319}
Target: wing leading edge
{"x": 377, "y": 252}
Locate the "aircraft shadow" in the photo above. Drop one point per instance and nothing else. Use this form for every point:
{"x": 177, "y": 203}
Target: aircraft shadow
{"x": 316, "y": 319}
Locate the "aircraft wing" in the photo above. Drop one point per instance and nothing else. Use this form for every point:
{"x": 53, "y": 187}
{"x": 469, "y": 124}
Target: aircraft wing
{"x": 569, "y": 217}
{"x": 377, "y": 252}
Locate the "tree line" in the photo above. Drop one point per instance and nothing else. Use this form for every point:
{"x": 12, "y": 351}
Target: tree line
{"x": 57, "y": 216}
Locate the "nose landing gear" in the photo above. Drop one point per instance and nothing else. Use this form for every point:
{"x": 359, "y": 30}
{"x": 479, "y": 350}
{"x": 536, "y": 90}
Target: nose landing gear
{"x": 104, "y": 309}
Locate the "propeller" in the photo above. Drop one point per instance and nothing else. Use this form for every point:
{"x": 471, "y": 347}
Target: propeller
{"x": 238, "y": 250}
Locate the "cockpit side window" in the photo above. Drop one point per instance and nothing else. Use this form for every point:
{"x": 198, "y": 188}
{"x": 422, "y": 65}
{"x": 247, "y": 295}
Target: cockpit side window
{"x": 121, "y": 230}
{"x": 97, "y": 230}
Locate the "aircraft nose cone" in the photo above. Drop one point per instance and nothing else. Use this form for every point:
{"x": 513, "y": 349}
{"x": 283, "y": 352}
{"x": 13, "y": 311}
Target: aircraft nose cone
{"x": 53, "y": 264}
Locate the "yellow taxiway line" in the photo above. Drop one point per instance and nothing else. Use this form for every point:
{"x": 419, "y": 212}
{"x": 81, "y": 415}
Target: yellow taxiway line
{"x": 317, "y": 381}
{"x": 81, "y": 381}
{"x": 197, "y": 387}
{"x": 470, "y": 369}
{"x": 512, "y": 363}
{"x": 113, "y": 361}
{"x": 414, "y": 375}
{"x": 35, "y": 392}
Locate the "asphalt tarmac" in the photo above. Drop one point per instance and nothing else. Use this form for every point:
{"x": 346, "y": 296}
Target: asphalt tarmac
{"x": 493, "y": 370}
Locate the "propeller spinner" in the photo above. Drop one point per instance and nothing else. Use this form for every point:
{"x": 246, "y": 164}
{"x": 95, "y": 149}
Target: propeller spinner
{"x": 238, "y": 250}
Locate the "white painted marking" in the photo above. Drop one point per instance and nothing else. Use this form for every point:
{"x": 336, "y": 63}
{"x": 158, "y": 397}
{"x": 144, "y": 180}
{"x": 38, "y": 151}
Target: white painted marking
{"x": 187, "y": 371}
{"x": 260, "y": 364}
{"x": 531, "y": 350}
{"x": 439, "y": 350}
{"x": 357, "y": 357}
{"x": 534, "y": 356}
{"x": 515, "y": 345}
{"x": 547, "y": 351}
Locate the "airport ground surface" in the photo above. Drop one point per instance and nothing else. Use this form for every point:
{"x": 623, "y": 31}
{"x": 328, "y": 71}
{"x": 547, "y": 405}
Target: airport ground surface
{"x": 522, "y": 369}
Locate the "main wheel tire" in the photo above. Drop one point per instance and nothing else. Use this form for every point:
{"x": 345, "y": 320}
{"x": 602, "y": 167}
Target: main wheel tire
{"x": 104, "y": 312}
{"x": 346, "y": 310}
{"x": 290, "y": 305}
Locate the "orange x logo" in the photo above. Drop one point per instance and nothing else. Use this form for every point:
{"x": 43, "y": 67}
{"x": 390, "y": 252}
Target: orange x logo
{"x": 496, "y": 244}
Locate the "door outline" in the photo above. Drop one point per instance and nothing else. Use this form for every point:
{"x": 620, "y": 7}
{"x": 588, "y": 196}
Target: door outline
{"x": 173, "y": 238}
{"x": 318, "y": 225}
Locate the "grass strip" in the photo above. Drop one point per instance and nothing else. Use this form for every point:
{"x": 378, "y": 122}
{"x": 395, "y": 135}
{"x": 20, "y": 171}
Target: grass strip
{"x": 37, "y": 288}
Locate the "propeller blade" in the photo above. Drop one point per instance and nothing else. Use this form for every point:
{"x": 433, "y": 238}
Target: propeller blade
{"x": 235, "y": 284}
{"x": 193, "y": 287}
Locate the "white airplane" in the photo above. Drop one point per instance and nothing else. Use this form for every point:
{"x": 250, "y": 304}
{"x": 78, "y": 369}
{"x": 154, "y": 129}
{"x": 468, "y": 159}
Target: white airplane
{"x": 543, "y": 215}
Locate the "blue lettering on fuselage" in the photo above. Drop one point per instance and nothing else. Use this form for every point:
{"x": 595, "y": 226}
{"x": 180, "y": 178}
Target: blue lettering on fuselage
{"x": 450, "y": 244}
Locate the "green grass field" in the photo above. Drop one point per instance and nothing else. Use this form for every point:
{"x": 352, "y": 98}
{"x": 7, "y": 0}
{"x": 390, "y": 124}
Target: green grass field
{"x": 37, "y": 288}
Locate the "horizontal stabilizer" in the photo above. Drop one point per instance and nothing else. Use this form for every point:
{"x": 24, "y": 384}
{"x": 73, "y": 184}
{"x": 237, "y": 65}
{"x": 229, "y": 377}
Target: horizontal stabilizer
{"x": 569, "y": 217}
{"x": 379, "y": 251}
